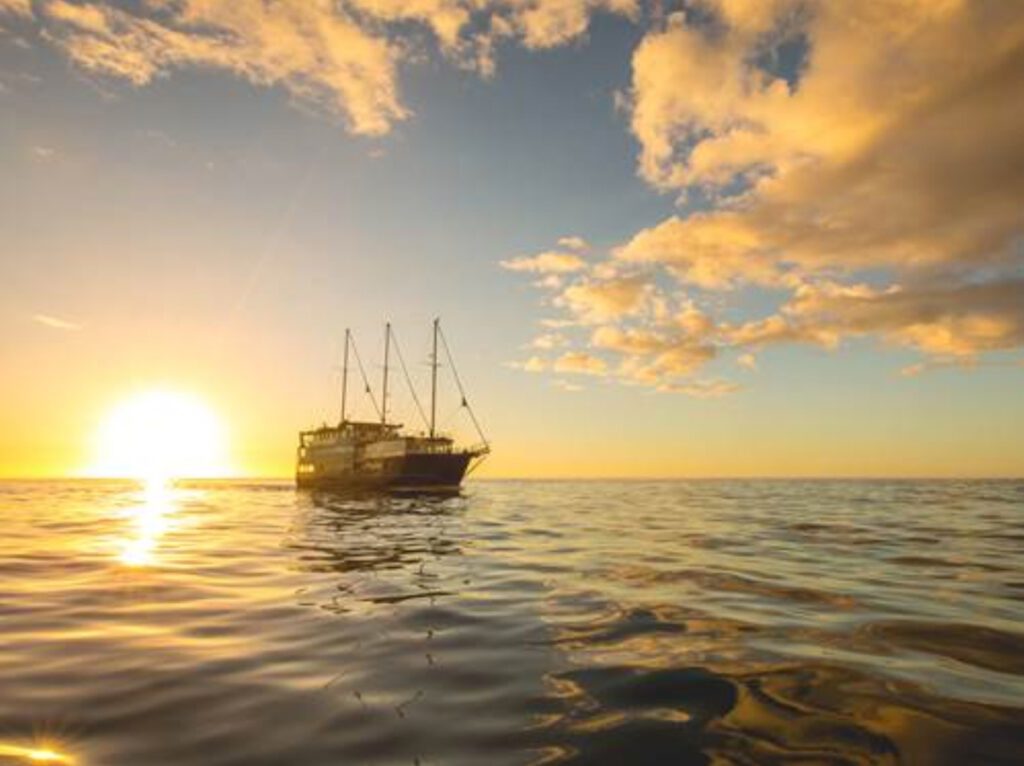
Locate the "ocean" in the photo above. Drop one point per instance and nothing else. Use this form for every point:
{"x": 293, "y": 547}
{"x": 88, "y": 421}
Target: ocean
{"x": 522, "y": 622}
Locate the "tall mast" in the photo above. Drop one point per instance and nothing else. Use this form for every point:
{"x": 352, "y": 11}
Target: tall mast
{"x": 384, "y": 393}
{"x": 433, "y": 381}
{"x": 344, "y": 378}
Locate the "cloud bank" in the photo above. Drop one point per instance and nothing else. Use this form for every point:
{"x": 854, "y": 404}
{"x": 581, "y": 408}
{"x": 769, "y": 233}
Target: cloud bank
{"x": 859, "y": 163}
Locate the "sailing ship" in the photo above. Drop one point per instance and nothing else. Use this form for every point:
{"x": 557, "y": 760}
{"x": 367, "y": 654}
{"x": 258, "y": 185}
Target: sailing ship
{"x": 360, "y": 454}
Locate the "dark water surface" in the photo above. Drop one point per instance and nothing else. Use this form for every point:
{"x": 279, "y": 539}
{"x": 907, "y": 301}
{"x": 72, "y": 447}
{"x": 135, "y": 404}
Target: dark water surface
{"x": 699, "y": 622}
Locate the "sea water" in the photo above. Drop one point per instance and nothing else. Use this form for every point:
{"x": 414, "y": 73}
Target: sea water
{"x": 676, "y": 622}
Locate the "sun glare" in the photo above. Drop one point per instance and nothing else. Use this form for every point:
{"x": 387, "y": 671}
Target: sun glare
{"x": 160, "y": 435}
{"x": 35, "y": 754}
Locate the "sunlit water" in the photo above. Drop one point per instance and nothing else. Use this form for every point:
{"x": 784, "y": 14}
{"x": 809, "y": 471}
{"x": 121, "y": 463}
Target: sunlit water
{"x": 620, "y": 623}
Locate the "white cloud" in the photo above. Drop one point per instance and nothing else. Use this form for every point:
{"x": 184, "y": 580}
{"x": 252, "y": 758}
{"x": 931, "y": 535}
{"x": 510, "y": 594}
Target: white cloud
{"x": 574, "y": 243}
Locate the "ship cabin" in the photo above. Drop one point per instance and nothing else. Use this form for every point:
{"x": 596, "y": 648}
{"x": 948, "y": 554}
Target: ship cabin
{"x": 351, "y": 431}
{"x": 356, "y": 445}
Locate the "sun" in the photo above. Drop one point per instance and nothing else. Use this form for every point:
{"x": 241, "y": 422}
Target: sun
{"x": 160, "y": 435}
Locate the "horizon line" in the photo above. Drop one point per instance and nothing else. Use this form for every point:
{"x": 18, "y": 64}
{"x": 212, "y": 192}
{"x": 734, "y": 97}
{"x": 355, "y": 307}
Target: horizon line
{"x": 566, "y": 478}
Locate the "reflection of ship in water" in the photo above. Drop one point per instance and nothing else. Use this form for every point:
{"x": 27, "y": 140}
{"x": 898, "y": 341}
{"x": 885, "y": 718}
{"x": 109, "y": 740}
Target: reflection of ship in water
{"x": 379, "y": 454}
{"x": 386, "y": 547}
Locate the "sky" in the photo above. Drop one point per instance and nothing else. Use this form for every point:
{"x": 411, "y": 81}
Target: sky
{"x": 708, "y": 238}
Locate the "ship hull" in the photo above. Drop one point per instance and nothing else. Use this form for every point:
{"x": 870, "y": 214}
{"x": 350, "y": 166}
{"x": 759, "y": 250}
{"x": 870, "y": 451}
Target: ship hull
{"x": 411, "y": 471}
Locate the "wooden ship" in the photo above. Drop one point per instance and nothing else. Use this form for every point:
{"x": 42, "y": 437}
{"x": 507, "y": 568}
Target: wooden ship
{"x": 359, "y": 454}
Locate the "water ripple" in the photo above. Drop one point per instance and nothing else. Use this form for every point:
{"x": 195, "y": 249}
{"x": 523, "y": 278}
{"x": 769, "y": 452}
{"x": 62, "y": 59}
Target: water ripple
{"x": 702, "y": 622}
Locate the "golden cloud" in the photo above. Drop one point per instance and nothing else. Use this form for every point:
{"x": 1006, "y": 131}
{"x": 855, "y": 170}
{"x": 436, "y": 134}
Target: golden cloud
{"x": 871, "y": 187}
{"x": 593, "y": 301}
{"x": 551, "y": 262}
{"x": 317, "y": 52}
{"x": 16, "y": 8}
{"x": 580, "y": 362}
{"x": 342, "y": 57}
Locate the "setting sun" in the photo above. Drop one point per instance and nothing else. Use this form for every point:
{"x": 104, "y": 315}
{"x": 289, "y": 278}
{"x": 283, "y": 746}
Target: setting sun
{"x": 159, "y": 435}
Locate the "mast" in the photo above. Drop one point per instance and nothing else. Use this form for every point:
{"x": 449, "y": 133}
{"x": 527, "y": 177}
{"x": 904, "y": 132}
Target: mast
{"x": 433, "y": 381}
{"x": 344, "y": 378}
{"x": 384, "y": 392}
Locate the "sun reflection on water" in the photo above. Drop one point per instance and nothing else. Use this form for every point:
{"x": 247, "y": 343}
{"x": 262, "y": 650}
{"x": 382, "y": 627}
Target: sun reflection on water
{"x": 151, "y": 520}
{"x": 37, "y": 753}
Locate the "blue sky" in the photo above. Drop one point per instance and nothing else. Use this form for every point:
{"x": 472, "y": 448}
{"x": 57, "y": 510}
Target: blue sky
{"x": 208, "y": 231}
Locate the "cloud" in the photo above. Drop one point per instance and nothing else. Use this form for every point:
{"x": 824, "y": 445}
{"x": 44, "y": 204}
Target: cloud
{"x": 341, "y": 57}
{"x": 747, "y": 361}
{"x": 56, "y": 323}
{"x": 580, "y": 362}
{"x": 548, "y": 341}
{"x": 16, "y": 8}
{"x": 533, "y": 364}
{"x": 855, "y": 167}
{"x": 701, "y": 389}
{"x": 550, "y": 262}
{"x": 446, "y": 18}
{"x": 896, "y": 147}
{"x": 574, "y": 243}
{"x": 43, "y": 152}
{"x": 941, "y": 320}
{"x": 319, "y": 53}
{"x": 706, "y": 250}
{"x": 549, "y": 23}
{"x": 598, "y": 300}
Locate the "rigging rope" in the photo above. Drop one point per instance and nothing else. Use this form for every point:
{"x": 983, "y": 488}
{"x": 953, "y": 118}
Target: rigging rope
{"x": 408, "y": 380}
{"x": 366, "y": 382}
{"x": 462, "y": 391}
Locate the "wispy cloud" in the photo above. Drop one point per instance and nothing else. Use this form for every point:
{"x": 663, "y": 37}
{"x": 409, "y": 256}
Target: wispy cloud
{"x": 574, "y": 243}
{"x": 550, "y": 262}
{"x": 56, "y": 323}
{"x": 566, "y": 385}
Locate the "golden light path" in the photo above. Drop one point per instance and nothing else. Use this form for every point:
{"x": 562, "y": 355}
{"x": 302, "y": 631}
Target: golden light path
{"x": 160, "y": 435}
{"x": 151, "y": 520}
{"x": 36, "y": 754}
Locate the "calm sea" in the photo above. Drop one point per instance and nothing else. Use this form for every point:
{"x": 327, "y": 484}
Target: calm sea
{"x": 747, "y": 622}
